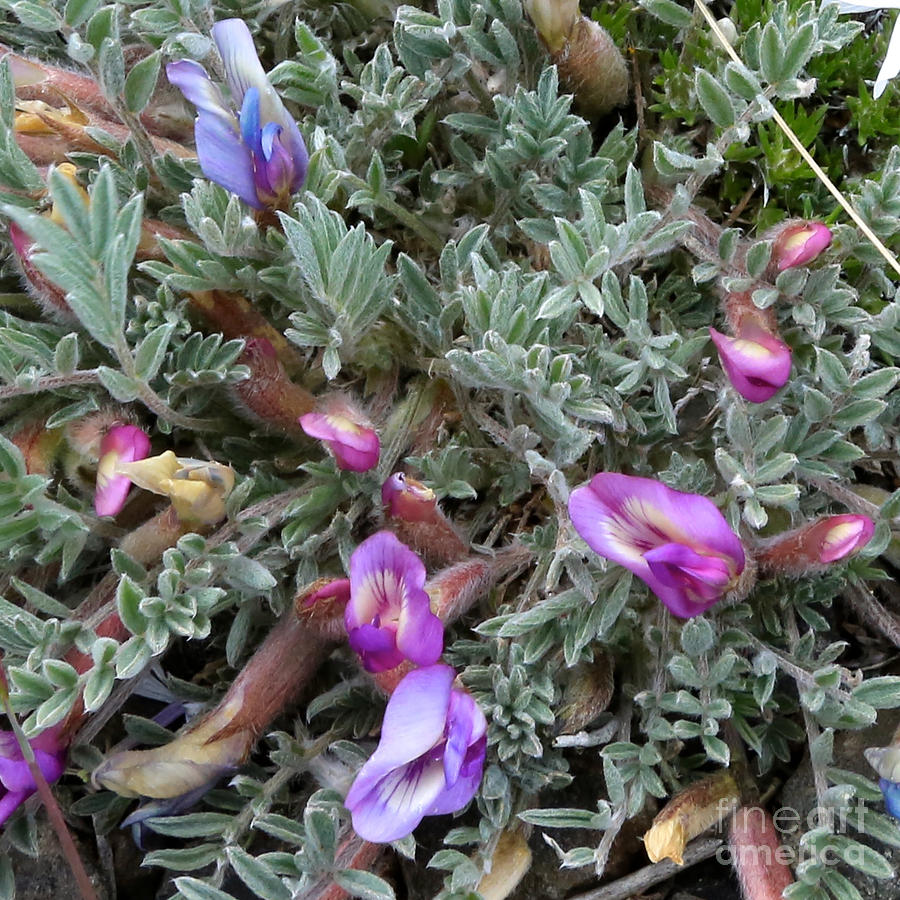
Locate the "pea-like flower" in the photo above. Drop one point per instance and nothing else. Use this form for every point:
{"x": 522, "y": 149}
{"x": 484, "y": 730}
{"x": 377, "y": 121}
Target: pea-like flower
{"x": 355, "y": 446}
{"x": 121, "y": 444}
{"x": 757, "y": 363}
{"x": 798, "y": 243}
{"x": 49, "y": 754}
{"x": 250, "y": 146}
{"x": 678, "y": 543}
{"x": 389, "y": 617}
{"x": 428, "y": 762}
{"x": 886, "y": 762}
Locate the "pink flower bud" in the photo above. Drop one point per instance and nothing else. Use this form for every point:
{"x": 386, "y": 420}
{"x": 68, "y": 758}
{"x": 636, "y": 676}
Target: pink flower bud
{"x": 757, "y": 363}
{"x": 345, "y": 432}
{"x": 798, "y": 243}
{"x": 408, "y": 499}
{"x": 815, "y": 545}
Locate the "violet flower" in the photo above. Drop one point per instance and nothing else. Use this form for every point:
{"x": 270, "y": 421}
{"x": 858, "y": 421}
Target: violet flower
{"x": 757, "y": 363}
{"x": 798, "y": 243}
{"x": 389, "y": 617}
{"x": 355, "y": 447}
{"x": 121, "y": 444}
{"x": 15, "y": 775}
{"x": 428, "y": 762}
{"x": 678, "y": 543}
{"x": 250, "y": 146}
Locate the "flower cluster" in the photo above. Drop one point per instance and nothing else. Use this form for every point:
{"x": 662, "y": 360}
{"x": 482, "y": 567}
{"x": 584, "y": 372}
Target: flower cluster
{"x": 431, "y": 754}
{"x": 756, "y": 360}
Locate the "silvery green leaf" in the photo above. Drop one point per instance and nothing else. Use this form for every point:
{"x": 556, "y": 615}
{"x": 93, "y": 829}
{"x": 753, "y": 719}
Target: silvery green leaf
{"x": 714, "y": 99}
{"x": 141, "y": 82}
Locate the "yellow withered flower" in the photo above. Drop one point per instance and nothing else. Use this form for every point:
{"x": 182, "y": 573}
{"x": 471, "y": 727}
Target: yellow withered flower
{"x": 197, "y": 488}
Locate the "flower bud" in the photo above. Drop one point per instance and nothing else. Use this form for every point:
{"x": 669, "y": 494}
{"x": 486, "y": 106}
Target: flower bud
{"x": 346, "y": 432}
{"x": 757, "y": 363}
{"x": 689, "y": 813}
{"x": 554, "y": 20}
{"x": 412, "y": 512}
{"x": 587, "y": 694}
{"x": 589, "y": 63}
{"x": 797, "y": 243}
{"x": 815, "y": 545}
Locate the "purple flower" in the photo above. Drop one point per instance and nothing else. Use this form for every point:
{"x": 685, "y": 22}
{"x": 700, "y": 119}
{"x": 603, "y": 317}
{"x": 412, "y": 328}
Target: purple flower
{"x": 799, "y": 243}
{"x": 756, "y": 362}
{"x": 121, "y": 444}
{"x": 678, "y": 543}
{"x": 15, "y": 775}
{"x": 356, "y": 448}
{"x": 250, "y": 146}
{"x": 428, "y": 762}
{"x": 389, "y": 617}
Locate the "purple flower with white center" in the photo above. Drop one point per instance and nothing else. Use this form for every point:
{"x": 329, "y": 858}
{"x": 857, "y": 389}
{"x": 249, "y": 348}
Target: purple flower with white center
{"x": 389, "y": 617}
{"x": 757, "y": 363}
{"x": 251, "y": 147}
{"x": 678, "y": 543}
{"x": 356, "y": 448}
{"x": 15, "y": 775}
{"x": 121, "y": 444}
{"x": 428, "y": 762}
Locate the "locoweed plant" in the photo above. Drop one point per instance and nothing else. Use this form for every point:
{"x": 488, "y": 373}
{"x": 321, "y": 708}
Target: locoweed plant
{"x": 512, "y": 295}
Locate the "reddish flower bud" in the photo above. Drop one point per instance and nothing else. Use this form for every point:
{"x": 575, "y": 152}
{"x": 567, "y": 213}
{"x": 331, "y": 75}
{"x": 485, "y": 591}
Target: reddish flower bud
{"x": 815, "y": 545}
{"x": 799, "y": 243}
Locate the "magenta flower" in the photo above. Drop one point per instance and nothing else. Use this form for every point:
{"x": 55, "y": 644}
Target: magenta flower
{"x": 250, "y": 146}
{"x": 15, "y": 775}
{"x": 757, "y": 363}
{"x": 428, "y": 762}
{"x": 678, "y": 543}
{"x": 799, "y": 243}
{"x": 121, "y": 444}
{"x": 408, "y": 499}
{"x": 356, "y": 448}
{"x": 389, "y": 617}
